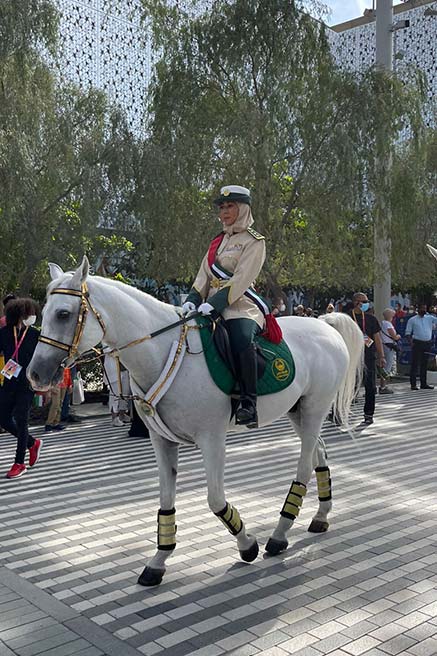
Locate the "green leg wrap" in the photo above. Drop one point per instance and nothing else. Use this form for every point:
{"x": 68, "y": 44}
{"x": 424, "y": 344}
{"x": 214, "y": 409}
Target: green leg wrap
{"x": 166, "y": 529}
{"x": 294, "y": 500}
{"x": 323, "y": 476}
{"x": 230, "y": 518}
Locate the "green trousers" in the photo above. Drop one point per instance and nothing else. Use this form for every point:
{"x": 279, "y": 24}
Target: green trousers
{"x": 242, "y": 333}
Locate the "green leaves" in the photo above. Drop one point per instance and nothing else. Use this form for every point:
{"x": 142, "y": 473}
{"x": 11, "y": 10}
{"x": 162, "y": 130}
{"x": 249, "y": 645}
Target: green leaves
{"x": 63, "y": 153}
{"x": 248, "y": 92}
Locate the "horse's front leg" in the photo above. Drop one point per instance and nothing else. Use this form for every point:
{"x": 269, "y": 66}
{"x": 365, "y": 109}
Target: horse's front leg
{"x": 213, "y": 452}
{"x": 166, "y": 453}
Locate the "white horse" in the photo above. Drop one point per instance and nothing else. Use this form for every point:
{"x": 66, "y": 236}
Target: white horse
{"x": 328, "y": 362}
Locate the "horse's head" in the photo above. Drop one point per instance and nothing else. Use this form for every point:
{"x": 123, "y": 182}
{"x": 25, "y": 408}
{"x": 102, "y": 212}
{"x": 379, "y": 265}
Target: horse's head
{"x": 70, "y": 326}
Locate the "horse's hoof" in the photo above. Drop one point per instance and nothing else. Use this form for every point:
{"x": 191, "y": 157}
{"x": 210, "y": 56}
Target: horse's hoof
{"x": 318, "y": 526}
{"x": 274, "y": 547}
{"x": 249, "y": 555}
{"x": 150, "y": 576}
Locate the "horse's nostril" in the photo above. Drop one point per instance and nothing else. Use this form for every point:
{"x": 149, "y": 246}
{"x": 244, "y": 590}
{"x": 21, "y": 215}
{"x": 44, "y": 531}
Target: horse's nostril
{"x": 34, "y": 376}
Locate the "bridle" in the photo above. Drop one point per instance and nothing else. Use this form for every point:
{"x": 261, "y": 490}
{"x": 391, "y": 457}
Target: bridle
{"x": 84, "y": 308}
{"x": 72, "y": 349}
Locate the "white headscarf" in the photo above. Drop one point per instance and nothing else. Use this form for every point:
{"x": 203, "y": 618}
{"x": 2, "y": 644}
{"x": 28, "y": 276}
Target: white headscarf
{"x": 244, "y": 220}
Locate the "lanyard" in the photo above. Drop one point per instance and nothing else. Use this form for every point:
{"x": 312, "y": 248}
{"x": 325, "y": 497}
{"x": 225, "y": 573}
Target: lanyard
{"x": 364, "y": 321}
{"x": 18, "y": 344}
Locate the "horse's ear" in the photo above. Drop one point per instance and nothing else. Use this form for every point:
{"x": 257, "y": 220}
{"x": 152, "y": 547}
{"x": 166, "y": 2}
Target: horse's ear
{"x": 81, "y": 273}
{"x": 432, "y": 250}
{"x": 55, "y": 271}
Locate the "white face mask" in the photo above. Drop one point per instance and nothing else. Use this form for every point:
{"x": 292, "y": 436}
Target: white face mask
{"x": 282, "y": 308}
{"x": 30, "y": 320}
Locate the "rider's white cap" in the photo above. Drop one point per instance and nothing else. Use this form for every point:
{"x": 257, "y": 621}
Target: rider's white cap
{"x": 234, "y": 193}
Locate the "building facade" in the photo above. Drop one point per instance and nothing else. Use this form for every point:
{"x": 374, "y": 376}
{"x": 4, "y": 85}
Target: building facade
{"x": 105, "y": 44}
{"x": 353, "y": 44}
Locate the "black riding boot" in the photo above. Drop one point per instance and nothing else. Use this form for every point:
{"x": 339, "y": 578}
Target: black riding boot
{"x": 247, "y": 368}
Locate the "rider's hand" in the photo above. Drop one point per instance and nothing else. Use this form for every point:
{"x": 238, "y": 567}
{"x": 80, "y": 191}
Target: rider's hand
{"x": 188, "y": 307}
{"x": 205, "y": 309}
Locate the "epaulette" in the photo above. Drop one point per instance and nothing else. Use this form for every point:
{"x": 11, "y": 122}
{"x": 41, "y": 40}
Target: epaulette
{"x": 255, "y": 234}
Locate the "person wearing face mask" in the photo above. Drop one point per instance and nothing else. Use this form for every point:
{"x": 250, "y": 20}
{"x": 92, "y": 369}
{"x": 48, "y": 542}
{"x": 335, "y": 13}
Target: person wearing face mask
{"x": 18, "y": 340}
{"x": 419, "y": 331}
{"x": 278, "y": 308}
{"x": 373, "y": 351}
{"x": 224, "y": 285}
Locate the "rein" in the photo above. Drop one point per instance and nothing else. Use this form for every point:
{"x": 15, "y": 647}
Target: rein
{"x": 85, "y": 306}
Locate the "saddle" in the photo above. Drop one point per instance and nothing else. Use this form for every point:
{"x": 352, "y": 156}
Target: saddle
{"x": 276, "y": 369}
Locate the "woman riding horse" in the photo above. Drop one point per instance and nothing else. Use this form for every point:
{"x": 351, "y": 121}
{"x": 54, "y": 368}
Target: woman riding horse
{"x": 228, "y": 270}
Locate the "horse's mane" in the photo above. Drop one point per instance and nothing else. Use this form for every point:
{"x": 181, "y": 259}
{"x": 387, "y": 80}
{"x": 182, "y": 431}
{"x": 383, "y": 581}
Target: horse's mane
{"x": 133, "y": 292}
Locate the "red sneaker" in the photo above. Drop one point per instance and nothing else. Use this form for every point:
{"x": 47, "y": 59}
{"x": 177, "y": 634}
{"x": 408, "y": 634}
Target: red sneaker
{"x": 34, "y": 452}
{"x": 16, "y": 470}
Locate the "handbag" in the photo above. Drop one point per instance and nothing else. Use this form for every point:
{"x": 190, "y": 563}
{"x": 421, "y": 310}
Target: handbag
{"x": 393, "y": 346}
{"x": 78, "y": 390}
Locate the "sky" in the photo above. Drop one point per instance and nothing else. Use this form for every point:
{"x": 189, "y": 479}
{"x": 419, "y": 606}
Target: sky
{"x": 343, "y": 10}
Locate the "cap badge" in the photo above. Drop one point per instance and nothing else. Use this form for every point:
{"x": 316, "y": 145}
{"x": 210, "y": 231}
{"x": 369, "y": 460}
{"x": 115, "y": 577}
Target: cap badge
{"x": 226, "y": 192}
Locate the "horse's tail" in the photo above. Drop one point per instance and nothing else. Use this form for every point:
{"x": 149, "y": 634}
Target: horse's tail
{"x": 353, "y": 338}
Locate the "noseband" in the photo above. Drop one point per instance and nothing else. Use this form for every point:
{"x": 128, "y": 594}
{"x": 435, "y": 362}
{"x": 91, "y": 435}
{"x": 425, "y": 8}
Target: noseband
{"x": 85, "y": 306}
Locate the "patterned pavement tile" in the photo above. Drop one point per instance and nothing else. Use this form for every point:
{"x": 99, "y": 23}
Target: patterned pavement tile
{"x": 74, "y": 539}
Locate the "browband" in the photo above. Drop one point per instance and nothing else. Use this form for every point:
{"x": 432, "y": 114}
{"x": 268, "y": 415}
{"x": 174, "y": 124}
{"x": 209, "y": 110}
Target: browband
{"x": 85, "y": 303}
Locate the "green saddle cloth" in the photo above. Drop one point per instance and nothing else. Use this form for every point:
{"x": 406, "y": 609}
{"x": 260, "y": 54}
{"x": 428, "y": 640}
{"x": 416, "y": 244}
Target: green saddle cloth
{"x": 279, "y": 367}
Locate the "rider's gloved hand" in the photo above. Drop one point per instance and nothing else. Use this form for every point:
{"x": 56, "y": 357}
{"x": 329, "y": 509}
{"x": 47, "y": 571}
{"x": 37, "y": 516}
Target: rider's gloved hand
{"x": 188, "y": 307}
{"x": 205, "y": 309}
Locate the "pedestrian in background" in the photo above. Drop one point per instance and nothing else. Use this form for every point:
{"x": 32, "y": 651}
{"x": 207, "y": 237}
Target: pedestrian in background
{"x": 278, "y": 308}
{"x": 419, "y": 330}
{"x": 399, "y": 313}
{"x": 57, "y": 399}
{"x": 18, "y": 340}
{"x": 373, "y": 350}
{"x": 5, "y": 301}
{"x": 119, "y": 386}
{"x": 389, "y": 338}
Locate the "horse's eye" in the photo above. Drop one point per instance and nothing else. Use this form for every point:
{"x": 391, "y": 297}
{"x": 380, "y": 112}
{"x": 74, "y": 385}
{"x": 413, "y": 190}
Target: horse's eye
{"x": 62, "y": 314}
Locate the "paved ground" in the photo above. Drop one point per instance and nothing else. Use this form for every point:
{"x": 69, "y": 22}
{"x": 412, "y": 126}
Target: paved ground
{"x": 75, "y": 532}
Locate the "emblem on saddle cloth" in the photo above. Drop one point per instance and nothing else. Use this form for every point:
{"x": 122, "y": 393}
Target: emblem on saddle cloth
{"x": 280, "y": 369}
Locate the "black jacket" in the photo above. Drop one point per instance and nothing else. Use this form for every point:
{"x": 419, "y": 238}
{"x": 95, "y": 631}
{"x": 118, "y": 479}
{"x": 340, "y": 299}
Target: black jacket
{"x": 25, "y": 353}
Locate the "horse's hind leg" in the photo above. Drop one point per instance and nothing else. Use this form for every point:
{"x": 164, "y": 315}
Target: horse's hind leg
{"x": 166, "y": 453}
{"x": 213, "y": 451}
{"x": 320, "y": 522}
{"x": 307, "y": 426}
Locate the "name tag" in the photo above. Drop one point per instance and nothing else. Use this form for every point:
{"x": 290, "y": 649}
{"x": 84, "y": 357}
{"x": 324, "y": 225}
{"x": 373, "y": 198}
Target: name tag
{"x": 11, "y": 369}
{"x": 367, "y": 341}
{"x": 232, "y": 247}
